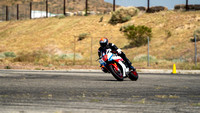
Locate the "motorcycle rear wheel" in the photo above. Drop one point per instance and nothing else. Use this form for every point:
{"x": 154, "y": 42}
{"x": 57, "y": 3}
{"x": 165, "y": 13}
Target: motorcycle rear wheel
{"x": 117, "y": 74}
{"x": 133, "y": 75}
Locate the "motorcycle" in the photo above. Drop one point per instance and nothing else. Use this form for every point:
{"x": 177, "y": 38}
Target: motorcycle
{"x": 115, "y": 65}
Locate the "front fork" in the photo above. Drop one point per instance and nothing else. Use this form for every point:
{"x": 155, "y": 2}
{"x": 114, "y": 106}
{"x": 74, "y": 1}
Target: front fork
{"x": 123, "y": 67}
{"x": 115, "y": 66}
{"x": 125, "y": 70}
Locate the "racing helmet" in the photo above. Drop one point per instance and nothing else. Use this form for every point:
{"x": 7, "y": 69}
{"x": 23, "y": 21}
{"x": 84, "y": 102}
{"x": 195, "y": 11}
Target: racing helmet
{"x": 103, "y": 42}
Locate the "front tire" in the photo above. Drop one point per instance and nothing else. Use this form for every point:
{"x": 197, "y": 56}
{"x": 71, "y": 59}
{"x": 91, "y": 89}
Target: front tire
{"x": 118, "y": 74}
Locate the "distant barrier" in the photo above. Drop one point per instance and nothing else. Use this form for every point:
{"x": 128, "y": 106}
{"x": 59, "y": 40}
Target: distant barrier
{"x": 47, "y": 8}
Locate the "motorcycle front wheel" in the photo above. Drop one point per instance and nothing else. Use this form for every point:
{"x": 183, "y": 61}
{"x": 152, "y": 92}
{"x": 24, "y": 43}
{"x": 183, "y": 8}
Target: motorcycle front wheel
{"x": 117, "y": 71}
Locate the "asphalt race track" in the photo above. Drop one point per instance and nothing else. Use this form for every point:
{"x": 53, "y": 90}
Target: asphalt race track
{"x": 91, "y": 92}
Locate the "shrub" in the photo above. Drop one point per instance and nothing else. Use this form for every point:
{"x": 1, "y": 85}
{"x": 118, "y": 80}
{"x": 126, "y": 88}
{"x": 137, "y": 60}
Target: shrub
{"x": 197, "y": 34}
{"x": 141, "y": 8}
{"x": 123, "y": 15}
{"x": 37, "y": 68}
{"x": 168, "y": 33}
{"x": 70, "y": 56}
{"x": 2, "y": 55}
{"x": 142, "y": 58}
{"x": 61, "y": 16}
{"x": 125, "y": 19}
{"x": 137, "y": 34}
{"x": 34, "y": 56}
{"x": 190, "y": 7}
{"x": 9, "y": 54}
{"x": 101, "y": 19}
{"x": 82, "y": 36}
{"x": 7, "y": 67}
{"x": 179, "y": 7}
{"x": 157, "y": 9}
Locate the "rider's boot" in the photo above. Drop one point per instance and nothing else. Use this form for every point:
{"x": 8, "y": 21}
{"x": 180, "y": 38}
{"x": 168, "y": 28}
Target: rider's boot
{"x": 129, "y": 65}
{"x": 132, "y": 68}
{"x": 127, "y": 61}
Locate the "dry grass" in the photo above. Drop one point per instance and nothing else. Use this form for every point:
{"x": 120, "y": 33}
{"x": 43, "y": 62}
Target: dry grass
{"x": 172, "y": 32}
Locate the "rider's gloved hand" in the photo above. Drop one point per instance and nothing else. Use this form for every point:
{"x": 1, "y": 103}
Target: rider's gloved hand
{"x": 119, "y": 51}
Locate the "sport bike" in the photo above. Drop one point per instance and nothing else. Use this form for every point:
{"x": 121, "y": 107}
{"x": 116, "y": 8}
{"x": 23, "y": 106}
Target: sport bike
{"x": 115, "y": 65}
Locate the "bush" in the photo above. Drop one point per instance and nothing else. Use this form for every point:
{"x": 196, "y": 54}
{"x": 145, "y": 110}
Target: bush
{"x": 197, "y": 34}
{"x": 7, "y": 67}
{"x": 142, "y": 58}
{"x": 34, "y": 56}
{"x": 179, "y": 7}
{"x": 137, "y": 34}
{"x": 82, "y": 36}
{"x": 2, "y": 55}
{"x": 190, "y": 7}
{"x": 141, "y": 8}
{"x": 9, "y": 54}
{"x": 61, "y": 16}
{"x": 123, "y": 15}
{"x": 157, "y": 9}
{"x": 168, "y": 33}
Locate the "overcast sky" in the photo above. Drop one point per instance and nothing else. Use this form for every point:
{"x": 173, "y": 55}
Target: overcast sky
{"x": 167, "y": 3}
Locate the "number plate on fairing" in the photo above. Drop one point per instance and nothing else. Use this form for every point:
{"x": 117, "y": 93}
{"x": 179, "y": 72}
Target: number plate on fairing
{"x": 101, "y": 61}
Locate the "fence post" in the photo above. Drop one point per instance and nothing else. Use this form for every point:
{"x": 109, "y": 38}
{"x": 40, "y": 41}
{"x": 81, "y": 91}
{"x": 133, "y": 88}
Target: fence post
{"x": 187, "y": 8}
{"x": 113, "y": 5}
{"x": 46, "y": 8}
{"x": 148, "y": 5}
{"x": 91, "y": 51}
{"x": 30, "y": 10}
{"x": 148, "y": 63}
{"x": 195, "y": 56}
{"x": 74, "y": 59}
{"x": 2, "y": 17}
{"x": 86, "y": 7}
{"x": 7, "y": 13}
{"x": 17, "y": 11}
{"x": 64, "y": 8}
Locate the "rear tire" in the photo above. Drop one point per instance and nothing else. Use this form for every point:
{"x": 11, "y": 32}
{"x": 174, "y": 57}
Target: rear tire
{"x": 117, "y": 74}
{"x": 133, "y": 75}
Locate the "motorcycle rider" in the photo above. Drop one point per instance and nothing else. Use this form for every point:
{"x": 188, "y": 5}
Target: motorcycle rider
{"x": 104, "y": 44}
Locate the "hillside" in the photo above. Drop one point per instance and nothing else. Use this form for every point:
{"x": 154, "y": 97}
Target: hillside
{"x": 50, "y": 42}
